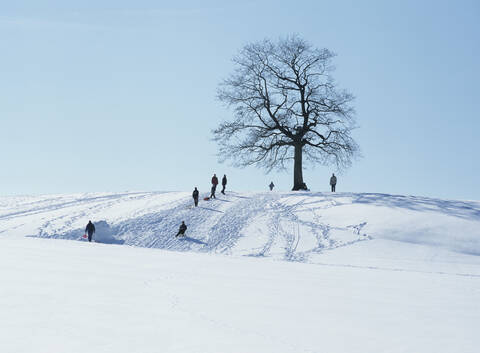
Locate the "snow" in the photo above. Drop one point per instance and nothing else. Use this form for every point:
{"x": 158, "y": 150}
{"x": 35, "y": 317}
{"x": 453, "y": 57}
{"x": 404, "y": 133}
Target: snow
{"x": 257, "y": 272}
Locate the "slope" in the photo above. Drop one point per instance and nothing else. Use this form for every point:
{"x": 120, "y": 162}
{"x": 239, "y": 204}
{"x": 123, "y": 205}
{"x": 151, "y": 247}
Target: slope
{"x": 358, "y": 273}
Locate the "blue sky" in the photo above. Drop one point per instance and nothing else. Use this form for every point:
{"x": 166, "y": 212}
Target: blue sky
{"x": 120, "y": 95}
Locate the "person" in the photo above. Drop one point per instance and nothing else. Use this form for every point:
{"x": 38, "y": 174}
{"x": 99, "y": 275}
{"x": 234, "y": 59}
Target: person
{"x": 214, "y": 186}
{"x": 90, "y": 229}
{"x": 333, "y": 182}
{"x": 271, "y": 186}
{"x": 195, "y": 196}
{"x": 215, "y": 180}
{"x": 182, "y": 229}
{"x": 224, "y": 183}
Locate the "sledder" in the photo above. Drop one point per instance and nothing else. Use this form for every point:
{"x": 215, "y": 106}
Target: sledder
{"x": 181, "y": 230}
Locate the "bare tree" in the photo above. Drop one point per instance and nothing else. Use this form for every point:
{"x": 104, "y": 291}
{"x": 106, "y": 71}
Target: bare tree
{"x": 286, "y": 106}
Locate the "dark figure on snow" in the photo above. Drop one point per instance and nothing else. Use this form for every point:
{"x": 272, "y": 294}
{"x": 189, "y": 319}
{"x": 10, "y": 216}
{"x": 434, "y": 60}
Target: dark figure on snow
{"x": 224, "y": 183}
{"x": 271, "y": 186}
{"x": 333, "y": 182}
{"x": 215, "y": 180}
{"x": 195, "y": 196}
{"x": 182, "y": 229}
{"x": 90, "y": 229}
{"x": 214, "y": 186}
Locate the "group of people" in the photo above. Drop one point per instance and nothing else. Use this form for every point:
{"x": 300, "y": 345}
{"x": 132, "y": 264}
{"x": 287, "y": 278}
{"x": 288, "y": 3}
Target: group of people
{"x": 215, "y": 183}
{"x": 196, "y": 195}
{"x": 333, "y": 184}
{"x": 213, "y": 189}
{"x": 90, "y": 229}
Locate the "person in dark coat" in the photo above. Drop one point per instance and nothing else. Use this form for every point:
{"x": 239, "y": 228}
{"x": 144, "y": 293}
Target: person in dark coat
{"x": 182, "y": 229}
{"x": 215, "y": 180}
{"x": 195, "y": 197}
{"x": 333, "y": 182}
{"x": 214, "y": 186}
{"x": 90, "y": 229}
{"x": 271, "y": 186}
{"x": 224, "y": 183}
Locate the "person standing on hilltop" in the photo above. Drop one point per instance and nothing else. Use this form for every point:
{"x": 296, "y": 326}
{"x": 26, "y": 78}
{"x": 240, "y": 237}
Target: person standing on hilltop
{"x": 224, "y": 183}
{"x": 195, "y": 196}
{"x": 271, "y": 186}
{"x": 214, "y": 186}
{"x": 333, "y": 182}
{"x": 90, "y": 229}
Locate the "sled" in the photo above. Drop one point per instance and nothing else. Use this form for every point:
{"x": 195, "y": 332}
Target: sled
{"x": 206, "y": 198}
{"x": 84, "y": 236}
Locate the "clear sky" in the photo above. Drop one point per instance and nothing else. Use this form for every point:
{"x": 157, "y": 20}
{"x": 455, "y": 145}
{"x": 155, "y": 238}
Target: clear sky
{"x": 120, "y": 95}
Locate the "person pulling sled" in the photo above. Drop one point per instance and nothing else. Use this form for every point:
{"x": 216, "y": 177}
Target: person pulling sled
{"x": 90, "y": 229}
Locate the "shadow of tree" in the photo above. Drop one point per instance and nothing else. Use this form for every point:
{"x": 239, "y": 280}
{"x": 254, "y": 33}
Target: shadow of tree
{"x": 461, "y": 209}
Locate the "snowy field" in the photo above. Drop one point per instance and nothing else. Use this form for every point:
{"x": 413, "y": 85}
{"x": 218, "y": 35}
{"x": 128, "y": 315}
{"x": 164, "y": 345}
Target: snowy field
{"x": 257, "y": 272}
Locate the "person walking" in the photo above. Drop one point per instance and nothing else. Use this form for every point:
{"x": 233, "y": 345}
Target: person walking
{"x": 195, "y": 197}
{"x": 271, "y": 186}
{"x": 224, "y": 183}
{"x": 182, "y": 229}
{"x": 214, "y": 186}
{"x": 90, "y": 229}
{"x": 333, "y": 182}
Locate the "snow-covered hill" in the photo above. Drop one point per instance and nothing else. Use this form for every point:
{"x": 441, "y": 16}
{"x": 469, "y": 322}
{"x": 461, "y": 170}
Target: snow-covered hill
{"x": 358, "y": 273}
{"x": 307, "y": 227}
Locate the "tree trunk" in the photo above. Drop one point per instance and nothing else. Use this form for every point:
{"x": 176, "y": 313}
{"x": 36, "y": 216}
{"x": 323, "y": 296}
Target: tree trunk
{"x": 297, "y": 169}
